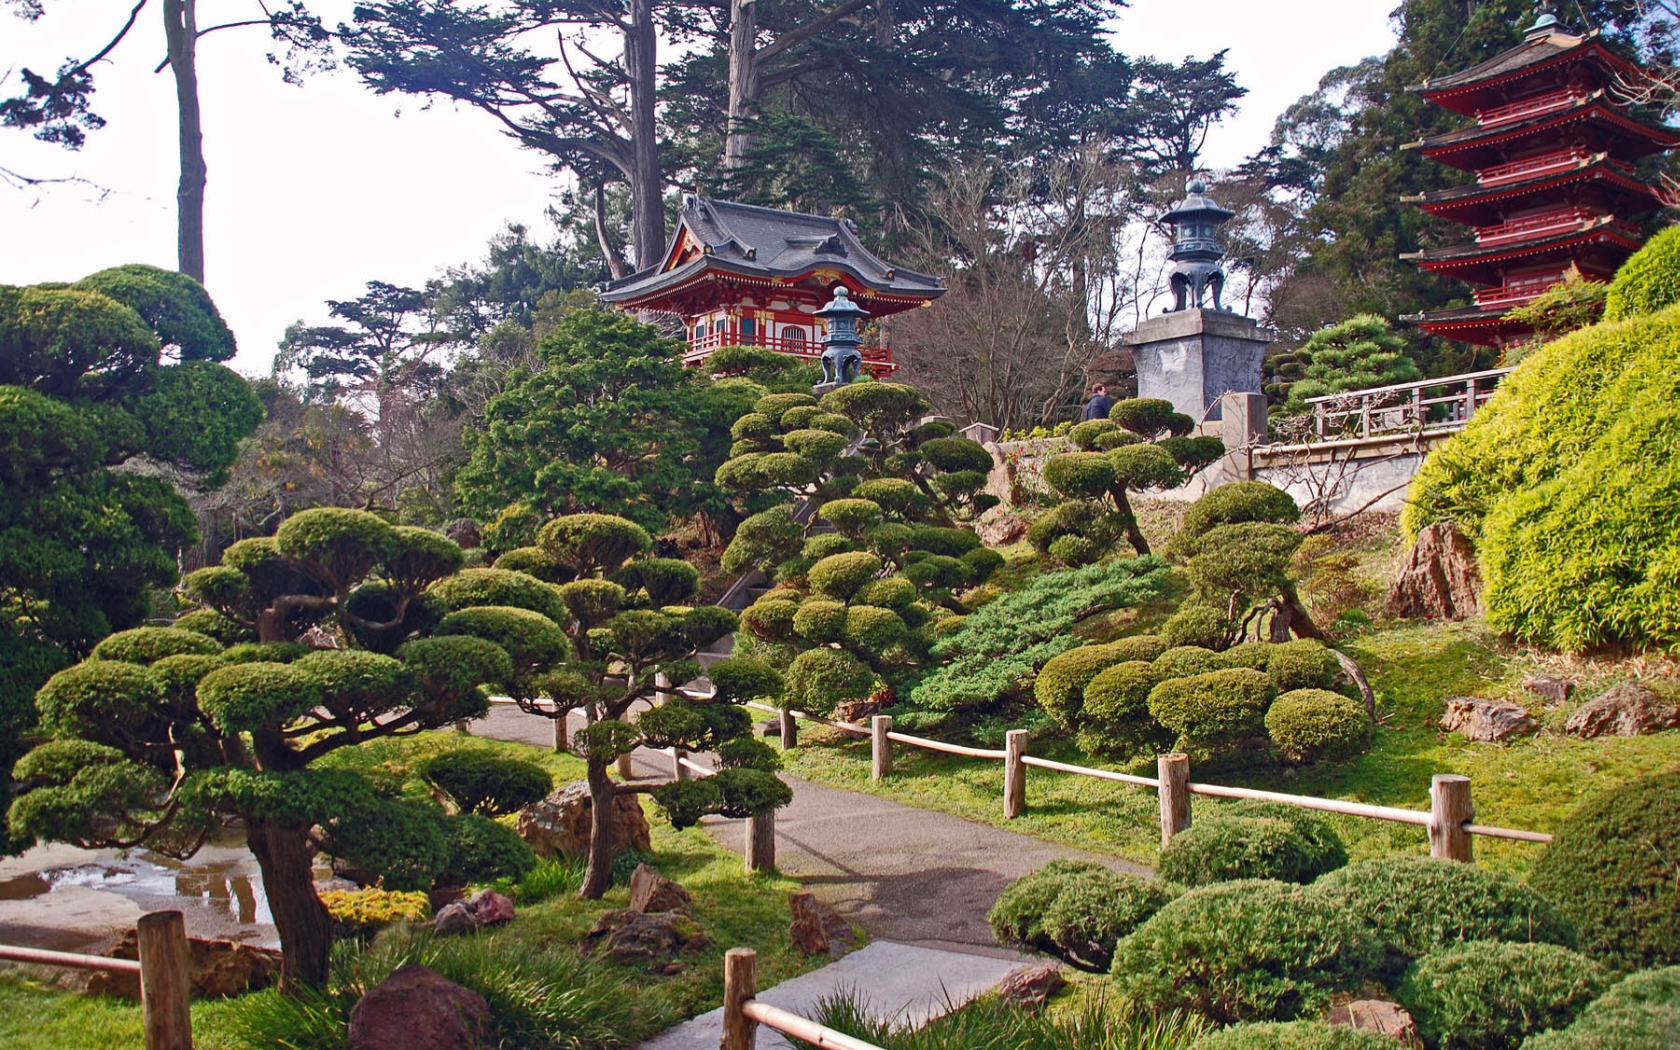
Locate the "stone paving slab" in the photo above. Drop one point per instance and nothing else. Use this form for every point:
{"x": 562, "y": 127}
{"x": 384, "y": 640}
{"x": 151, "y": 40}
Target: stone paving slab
{"x": 904, "y": 983}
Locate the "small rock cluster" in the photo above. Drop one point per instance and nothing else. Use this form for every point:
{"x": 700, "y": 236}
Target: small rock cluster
{"x": 486, "y": 908}
{"x": 815, "y": 930}
{"x": 1380, "y": 1016}
{"x": 215, "y": 969}
{"x": 1625, "y": 709}
{"x": 559, "y": 824}
{"x": 655, "y": 930}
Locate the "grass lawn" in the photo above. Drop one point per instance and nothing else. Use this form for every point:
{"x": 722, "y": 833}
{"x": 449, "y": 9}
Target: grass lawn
{"x": 582, "y": 1003}
{"x": 1530, "y": 784}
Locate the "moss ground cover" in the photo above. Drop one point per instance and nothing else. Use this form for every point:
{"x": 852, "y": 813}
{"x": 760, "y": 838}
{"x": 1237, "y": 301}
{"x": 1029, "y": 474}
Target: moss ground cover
{"x": 607, "y": 1005}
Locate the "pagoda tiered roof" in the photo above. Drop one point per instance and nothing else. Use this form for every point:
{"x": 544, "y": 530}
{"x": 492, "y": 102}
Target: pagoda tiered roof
{"x": 1554, "y": 56}
{"x": 1542, "y": 180}
{"x": 1593, "y": 117}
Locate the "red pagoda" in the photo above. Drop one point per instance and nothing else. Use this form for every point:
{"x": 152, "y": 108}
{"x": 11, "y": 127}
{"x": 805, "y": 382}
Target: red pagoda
{"x": 741, "y": 275}
{"x": 1554, "y": 151}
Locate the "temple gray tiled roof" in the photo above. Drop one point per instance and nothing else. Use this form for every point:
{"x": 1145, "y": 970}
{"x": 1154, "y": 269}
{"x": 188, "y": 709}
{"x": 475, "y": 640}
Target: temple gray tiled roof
{"x": 747, "y": 239}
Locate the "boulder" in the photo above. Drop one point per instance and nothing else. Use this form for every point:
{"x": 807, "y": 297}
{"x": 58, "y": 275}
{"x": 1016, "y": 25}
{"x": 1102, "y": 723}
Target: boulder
{"x": 490, "y": 908}
{"x": 559, "y": 824}
{"x": 454, "y": 918}
{"x": 417, "y": 1009}
{"x": 1031, "y": 985}
{"x": 651, "y": 939}
{"x": 653, "y": 892}
{"x": 215, "y": 969}
{"x": 1440, "y": 580}
{"x": 1556, "y": 690}
{"x": 1377, "y": 1015}
{"x": 1625, "y": 709}
{"x": 1001, "y": 529}
{"x": 856, "y": 710}
{"x": 807, "y": 930}
{"x": 1487, "y": 721}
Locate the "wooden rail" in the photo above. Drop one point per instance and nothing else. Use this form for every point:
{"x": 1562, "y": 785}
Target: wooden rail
{"x": 1448, "y": 820}
{"x": 1426, "y": 406}
{"x": 743, "y": 1013}
{"x": 162, "y": 940}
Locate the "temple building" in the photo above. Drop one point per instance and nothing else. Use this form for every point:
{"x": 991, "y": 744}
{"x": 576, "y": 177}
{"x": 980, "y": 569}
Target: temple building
{"x": 1554, "y": 150}
{"x": 741, "y": 275}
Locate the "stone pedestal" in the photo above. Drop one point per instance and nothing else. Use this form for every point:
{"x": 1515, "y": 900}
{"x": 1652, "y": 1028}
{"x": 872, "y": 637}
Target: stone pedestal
{"x": 822, "y": 388}
{"x": 1194, "y": 357}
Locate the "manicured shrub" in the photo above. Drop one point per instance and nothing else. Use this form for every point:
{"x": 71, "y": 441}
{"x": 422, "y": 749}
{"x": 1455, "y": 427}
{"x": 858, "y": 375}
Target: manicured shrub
{"x": 1648, "y": 281}
{"x": 471, "y": 587}
{"x": 840, "y": 576}
{"x": 665, "y": 581}
{"x": 1116, "y": 713}
{"x": 1075, "y": 550}
{"x": 215, "y": 625}
{"x": 481, "y": 850}
{"x": 953, "y": 543}
{"x": 1215, "y": 711}
{"x": 895, "y": 496}
{"x": 1243, "y": 501}
{"x": 1080, "y": 475}
{"x": 1077, "y": 910}
{"x": 1017, "y": 917}
{"x": 534, "y": 561}
{"x": 824, "y": 544}
{"x": 1061, "y": 683}
{"x": 776, "y": 406}
{"x": 1292, "y": 1035}
{"x": 765, "y": 538}
{"x": 1489, "y": 995}
{"x": 1084, "y": 435}
{"x": 820, "y": 621}
{"x": 872, "y": 632}
{"x": 771, "y": 618}
{"x": 144, "y": 645}
{"x": 1182, "y": 661}
{"x": 852, "y": 517}
{"x": 1252, "y": 950}
{"x": 981, "y": 563}
{"x": 1145, "y": 647}
{"x": 1640, "y": 1012}
{"x": 1140, "y": 467}
{"x": 754, "y": 426}
{"x": 1302, "y": 664}
{"x": 1252, "y": 655}
{"x": 406, "y": 844}
{"x": 485, "y": 782}
{"x": 1610, "y": 868}
{"x": 371, "y": 907}
{"x": 1151, "y": 417}
{"x": 1307, "y": 725}
{"x": 956, "y": 454}
{"x": 742, "y": 678}
{"x": 894, "y": 592}
{"x": 820, "y": 678}
{"x": 529, "y": 638}
{"x": 264, "y": 652}
{"x": 1198, "y": 625}
{"x": 937, "y": 571}
{"x": 243, "y": 696}
{"x": 1414, "y": 905}
{"x": 819, "y": 446}
{"x": 1253, "y": 840}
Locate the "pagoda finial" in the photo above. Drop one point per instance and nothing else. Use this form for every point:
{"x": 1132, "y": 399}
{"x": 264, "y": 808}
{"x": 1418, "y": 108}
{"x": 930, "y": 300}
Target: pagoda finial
{"x": 1545, "y": 21}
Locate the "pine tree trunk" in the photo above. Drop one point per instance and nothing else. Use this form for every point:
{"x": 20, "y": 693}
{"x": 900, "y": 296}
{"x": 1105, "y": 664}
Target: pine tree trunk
{"x": 597, "y": 876}
{"x": 647, "y": 185}
{"x": 743, "y": 82}
{"x": 285, "y": 859}
{"x": 180, "y": 28}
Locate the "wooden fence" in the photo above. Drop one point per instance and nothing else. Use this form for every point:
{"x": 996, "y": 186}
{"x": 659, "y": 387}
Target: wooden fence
{"x": 1449, "y": 819}
{"x": 162, "y": 969}
{"x": 743, "y": 1013}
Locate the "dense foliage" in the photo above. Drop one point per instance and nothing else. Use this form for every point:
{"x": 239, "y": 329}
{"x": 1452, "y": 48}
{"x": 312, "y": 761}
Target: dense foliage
{"x": 1076, "y": 910}
{"x": 1647, "y": 282}
{"x": 1639, "y": 1011}
{"x": 1361, "y": 352}
{"x": 1292, "y": 1035}
{"x": 492, "y": 785}
{"x": 1489, "y": 995}
{"x": 1253, "y": 840}
{"x": 1610, "y": 869}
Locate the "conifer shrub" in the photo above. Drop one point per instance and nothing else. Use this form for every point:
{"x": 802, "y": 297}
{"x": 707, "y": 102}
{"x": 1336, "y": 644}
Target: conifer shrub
{"x": 1197, "y": 624}
{"x": 1082, "y": 475}
{"x": 1060, "y": 687}
{"x": 1144, "y": 466}
{"x": 1085, "y": 436}
{"x": 1252, "y": 655}
{"x": 1292, "y": 1035}
{"x": 1307, "y": 725}
{"x": 873, "y": 632}
{"x": 1649, "y": 281}
{"x": 1250, "y": 950}
{"x": 1182, "y": 661}
{"x": 1151, "y": 418}
{"x": 852, "y": 517}
{"x": 1489, "y": 995}
{"x": 471, "y": 587}
{"x": 1640, "y": 1011}
{"x": 955, "y": 454}
{"x": 144, "y": 645}
{"x": 534, "y": 561}
{"x": 1253, "y": 840}
{"x": 486, "y": 783}
{"x": 824, "y": 544}
{"x": 1302, "y": 664}
{"x": 1413, "y": 905}
{"x": 209, "y": 622}
{"x": 1076, "y": 910}
{"x": 776, "y": 406}
{"x": 818, "y": 679}
{"x": 840, "y": 576}
{"x": 1117, "y": 722}
{"x": 1017, "y": 916}
{"x": 1234, "y": 504}
{"x": 820, "y": 621}
{"x": 481, "y": 850}
{"x": 1213, "y": 712}
{"x": 894, "y": 592}
{"x": 1610, "y": 869}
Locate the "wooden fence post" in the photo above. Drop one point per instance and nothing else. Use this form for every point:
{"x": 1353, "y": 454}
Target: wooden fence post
{"x": 790, "y": 730}
{"x": 1014, "y": 773}
{"x": 761, "y": 842}
{"x": 626, "y": 768}
{"x": 740, "y": 983}
{"x": 880, "y": 750}
{"x": 162, "y": 939}
{"x": 1174, "y": 773}
{"x": 678, "y": 770}
{"x": 560, "y": 732}
{"x": 1449, "y": 810}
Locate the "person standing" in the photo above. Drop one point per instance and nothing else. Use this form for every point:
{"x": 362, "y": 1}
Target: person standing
{"x": 1099, "y": 405}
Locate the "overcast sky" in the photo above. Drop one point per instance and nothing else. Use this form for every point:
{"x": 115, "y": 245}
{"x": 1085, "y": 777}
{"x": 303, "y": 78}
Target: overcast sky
{"x": 315, "y": 190}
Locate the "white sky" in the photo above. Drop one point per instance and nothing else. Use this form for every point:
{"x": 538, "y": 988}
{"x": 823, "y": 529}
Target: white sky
{"x": 315, "y": 190}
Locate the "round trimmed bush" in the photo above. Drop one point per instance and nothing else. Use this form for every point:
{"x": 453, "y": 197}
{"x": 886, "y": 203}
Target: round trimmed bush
{"x": 1292, "y": 1035}
{"x": 1489, "y": 995}
{"x": 872, "y": 631}
{"x": 937, "y": 570}
{"x": 1095, "y": 909}
{"x": 839, "y": 576}
{"x": 1253, "y": 840}
{"x": 1252, "y": 655}
{"x": 799, "y": 418}
{"x": 1116, "y": 712}
{"x": 1302, "y": 664}
{"x": 820, "y": 621}
{"x": 1234, "y": 504}
{"x": 593, "y": 542}
{"x": 1017, "y": 917}
{"x": 405, "y": 843}
{"x": 852, "y": 517}
{"x": 91, "y": 698}
{"x": 1145, "y": 647}
{"x": 481, "y": 850}
{"x": 1084, "y": 435}
{"x": 486, "y": 783}
{"x": 590, "y": 602}
{"x": 666, "y": 581}
{"x": 144, "y": 645}
{"x": 894, "y": 592}
{"x": 1143, "y": 466}
{"x": 894, "y": 495}
{"x": 1648, "y": 281}
{"x": 981, "y": 563}
{"x": 342, "y": 544}
{"x": 1075, "y": 551}
{"x": 1214, "y": 710}
{"x": 264, "y": 652}
{"x": 821, "y": 546}
{"x": 1182, "y": 661}
{"x": 1307, "y": 725}
{"x": 956, "y": 454}
{"x": 952, "y": 543}
{"x": 471, "y": 587}
{"x": 1060, "y": 686}
{"x": 1197, "y": 625}
{"x": 1414, "y": 905}
{"x": 771, "y": 618}
{"x": 1610, "y": 868}
{"x": 787, "y": 468}
{"x": 1639, "y": 1012}
{"x": 530, "y": 639}
{"x": 534, "y": 561}
{"x": 247, "y": 696}
{"x": 754, "y": 426}
{"x": 1149, "y": 417}
{"x": 818, "y": 679}
{"x": 1080, "y": 475}
{"x": 776, "y": 406}
{"x": 743, "y": 678}
{"x": 215, "y": 625}
{"x": 1252, "y": 950}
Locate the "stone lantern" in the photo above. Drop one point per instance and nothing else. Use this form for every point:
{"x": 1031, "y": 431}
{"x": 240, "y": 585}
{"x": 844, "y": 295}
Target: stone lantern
{"x": 1196, "y": 253}
{"x": 841, "y": 359}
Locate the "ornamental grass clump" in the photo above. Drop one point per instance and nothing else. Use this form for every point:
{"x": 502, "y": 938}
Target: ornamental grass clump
{"x": 1490, "y": 995}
